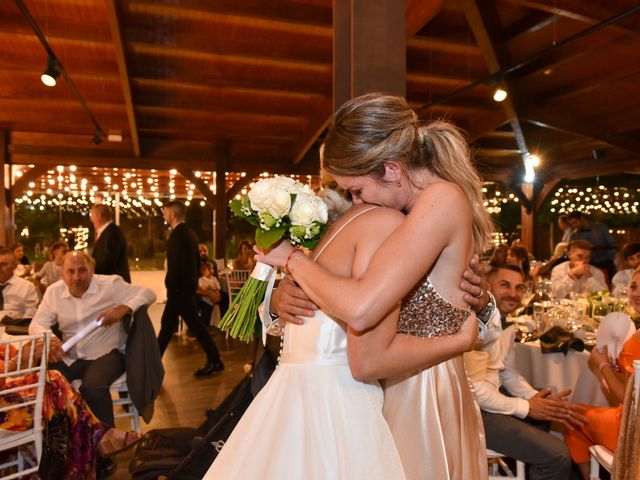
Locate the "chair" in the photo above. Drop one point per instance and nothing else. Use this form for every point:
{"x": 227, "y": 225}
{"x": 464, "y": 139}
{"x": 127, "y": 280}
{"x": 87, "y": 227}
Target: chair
{"x": 235, "y": 281}
{"x": 120, "y": 398}
{"x": 627, "y": 449}
{"x": 28, "y": 444}
{"x": 498, "y": 465}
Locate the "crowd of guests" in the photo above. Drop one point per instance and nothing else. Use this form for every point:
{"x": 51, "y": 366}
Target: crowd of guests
{"x": 73, "y": 289}
{"x": 515, "y": 415}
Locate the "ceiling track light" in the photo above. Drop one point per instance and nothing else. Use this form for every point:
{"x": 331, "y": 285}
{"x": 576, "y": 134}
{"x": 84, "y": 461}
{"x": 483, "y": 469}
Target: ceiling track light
{"x": 98, "y": 137}
{"x": 51, "y": 74}
{"x": 500, "y": 94}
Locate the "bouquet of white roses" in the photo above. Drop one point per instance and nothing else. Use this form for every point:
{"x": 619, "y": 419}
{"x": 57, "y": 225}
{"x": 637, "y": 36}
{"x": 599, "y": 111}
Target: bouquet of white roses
{"x": 279, "y": 207}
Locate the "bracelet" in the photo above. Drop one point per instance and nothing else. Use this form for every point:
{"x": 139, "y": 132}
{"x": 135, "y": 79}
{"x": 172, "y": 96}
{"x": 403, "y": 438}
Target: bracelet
{"x": 291, "y": 261}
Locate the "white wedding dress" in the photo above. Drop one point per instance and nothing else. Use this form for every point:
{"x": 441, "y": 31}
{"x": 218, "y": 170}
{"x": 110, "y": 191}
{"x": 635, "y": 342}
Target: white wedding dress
{"x": 312, "y": 420}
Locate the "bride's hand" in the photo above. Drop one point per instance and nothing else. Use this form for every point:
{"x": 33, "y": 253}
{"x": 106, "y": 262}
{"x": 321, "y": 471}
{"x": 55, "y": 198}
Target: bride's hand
{"x": 276, "y": 256}
{"x": 468, "y": 333}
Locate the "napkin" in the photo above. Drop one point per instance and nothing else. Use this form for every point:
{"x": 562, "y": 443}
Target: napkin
{"x": 557, "y": 339}
{"x": 614, "y": 329}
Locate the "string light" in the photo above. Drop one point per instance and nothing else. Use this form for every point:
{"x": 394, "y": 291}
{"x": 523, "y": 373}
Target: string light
{"x": 611, "y": 200}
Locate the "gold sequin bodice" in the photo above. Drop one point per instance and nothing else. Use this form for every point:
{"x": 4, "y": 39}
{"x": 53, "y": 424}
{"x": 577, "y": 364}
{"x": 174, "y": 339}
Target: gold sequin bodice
{"x": 424, "y": 313}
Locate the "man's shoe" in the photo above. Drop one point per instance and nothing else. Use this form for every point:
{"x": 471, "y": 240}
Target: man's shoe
{"x": 209, "y": 368}
{"x": 105, "y": 467}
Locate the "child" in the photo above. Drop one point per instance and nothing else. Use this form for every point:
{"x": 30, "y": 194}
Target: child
{"x": 208, "y": 291}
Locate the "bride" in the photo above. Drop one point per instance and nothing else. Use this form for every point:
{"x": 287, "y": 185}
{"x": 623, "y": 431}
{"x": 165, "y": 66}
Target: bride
{"x": 379, "y": 152}
{"x": 313, "y": 420}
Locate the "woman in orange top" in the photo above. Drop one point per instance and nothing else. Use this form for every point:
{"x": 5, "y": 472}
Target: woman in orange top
{"x": 604, "y": 422}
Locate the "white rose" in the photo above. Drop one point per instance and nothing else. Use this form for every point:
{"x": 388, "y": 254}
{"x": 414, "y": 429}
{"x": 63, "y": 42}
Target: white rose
{"x": 259, "y": 194}
{"x": 308, "y": 209}
{"x": 278, "y": 202}
{"x": 284, "y": 183}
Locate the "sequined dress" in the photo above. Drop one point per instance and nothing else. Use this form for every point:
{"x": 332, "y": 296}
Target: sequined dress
{"x": 433, "y": 414}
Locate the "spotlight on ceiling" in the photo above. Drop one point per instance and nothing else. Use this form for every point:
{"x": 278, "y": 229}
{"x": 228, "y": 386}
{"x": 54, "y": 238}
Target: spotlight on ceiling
{"x": 535, "y": 160}
{"x": 500, "y": 94}
{"x": 51, "y": 74}
{"x": 97, "y": 138}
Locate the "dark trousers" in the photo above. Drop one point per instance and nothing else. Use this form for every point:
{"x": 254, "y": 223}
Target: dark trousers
{"x": 204, "y": 311}
{"x": 185, "y": 306}
{"x": 97, "y": 376}
{"x": 546, "y": 456}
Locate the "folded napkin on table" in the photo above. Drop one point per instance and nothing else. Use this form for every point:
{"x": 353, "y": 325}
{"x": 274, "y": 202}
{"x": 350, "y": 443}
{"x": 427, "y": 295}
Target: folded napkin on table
{"x": 557, "y": 339}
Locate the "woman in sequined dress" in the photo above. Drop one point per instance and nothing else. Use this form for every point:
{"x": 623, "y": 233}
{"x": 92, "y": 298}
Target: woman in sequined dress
{"x": 379, "y": 152}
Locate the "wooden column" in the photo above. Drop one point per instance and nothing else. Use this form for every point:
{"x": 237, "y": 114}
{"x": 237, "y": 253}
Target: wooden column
{"x": 369, "y": 48}
{"x": 527, "y": 233}
{"x": 220, "y": 213}
{"x": 5, "y": 216}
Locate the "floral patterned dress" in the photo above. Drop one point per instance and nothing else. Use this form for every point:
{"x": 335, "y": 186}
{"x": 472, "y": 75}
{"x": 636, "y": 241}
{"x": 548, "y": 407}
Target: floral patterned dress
{"x": 86, "y": 430}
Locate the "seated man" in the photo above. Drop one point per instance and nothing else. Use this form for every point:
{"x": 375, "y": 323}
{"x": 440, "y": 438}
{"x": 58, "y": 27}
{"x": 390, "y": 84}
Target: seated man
{"x": 621, "y": 280}
{"x": 490, "y": 366}
{"x": 78, "y": 300}
{"x": 576, "y": 275}
{"x": 18, "y": 297}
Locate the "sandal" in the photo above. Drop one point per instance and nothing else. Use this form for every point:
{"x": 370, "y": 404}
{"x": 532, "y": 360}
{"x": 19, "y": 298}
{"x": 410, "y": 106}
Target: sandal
{"x": 116, "y": 441}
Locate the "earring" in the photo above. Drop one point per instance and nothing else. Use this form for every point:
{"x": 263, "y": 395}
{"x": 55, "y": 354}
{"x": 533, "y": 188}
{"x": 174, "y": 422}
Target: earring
{"x": 397, "y": 182}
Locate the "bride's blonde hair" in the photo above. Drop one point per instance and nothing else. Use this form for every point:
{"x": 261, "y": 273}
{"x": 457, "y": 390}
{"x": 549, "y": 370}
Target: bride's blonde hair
{"x": 372, "y": 129}
{"x": 335, "y": 198}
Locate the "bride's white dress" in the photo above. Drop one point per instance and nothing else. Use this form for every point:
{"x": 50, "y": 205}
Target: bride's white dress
{"x": 312, "y": 420}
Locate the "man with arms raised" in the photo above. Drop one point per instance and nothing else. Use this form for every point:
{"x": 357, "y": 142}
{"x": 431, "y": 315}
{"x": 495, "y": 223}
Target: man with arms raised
{"x": 507, "y": 419}
{"x": 75, "y": 302}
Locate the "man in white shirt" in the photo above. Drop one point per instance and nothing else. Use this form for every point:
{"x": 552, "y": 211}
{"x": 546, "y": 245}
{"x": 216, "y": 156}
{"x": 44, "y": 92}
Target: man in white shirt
{"x": 491, "y": 366}
{"x": 75, "y": 302}
{"x": 18, "y": 297}
{"x": 576, "y": 275}
{"x": 620, "y": 281}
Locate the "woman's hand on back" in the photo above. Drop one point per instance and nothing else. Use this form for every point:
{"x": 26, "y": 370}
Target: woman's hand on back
{"x": 290, "y": 303}
{"x": 474, "y": 285}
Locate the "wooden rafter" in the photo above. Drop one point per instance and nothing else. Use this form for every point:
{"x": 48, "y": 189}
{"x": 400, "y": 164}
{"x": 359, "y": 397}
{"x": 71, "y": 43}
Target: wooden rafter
{"x": 543, "y": 119}
{"x": 237, "y": 187}
{"x": 200, "y": 185}
{"x": 113, "y": 15}
{"x": 483, "y": 20}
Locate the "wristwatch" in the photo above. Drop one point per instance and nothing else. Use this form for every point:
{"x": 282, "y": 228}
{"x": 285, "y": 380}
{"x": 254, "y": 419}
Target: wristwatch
{"x": 485, "y": 314}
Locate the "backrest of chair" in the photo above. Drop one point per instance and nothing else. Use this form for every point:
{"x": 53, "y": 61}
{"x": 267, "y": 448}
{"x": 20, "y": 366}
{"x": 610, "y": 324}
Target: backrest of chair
{"x": 22, "y": 381}
{"x": 626, "y": 462}
{"x": 235, "y": 281}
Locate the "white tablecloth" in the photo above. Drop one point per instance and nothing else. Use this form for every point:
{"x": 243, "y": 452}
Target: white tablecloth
{"x": 559, "y": 372}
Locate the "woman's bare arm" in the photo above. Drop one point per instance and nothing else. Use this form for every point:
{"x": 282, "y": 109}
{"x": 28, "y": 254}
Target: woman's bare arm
{"x": 392, "y": 272}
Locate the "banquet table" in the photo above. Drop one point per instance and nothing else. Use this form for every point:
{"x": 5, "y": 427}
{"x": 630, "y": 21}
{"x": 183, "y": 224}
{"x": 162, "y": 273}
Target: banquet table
{"x": 559, "y": 372}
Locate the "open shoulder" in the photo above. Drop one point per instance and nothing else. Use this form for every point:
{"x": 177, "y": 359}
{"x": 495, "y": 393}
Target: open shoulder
{"x": 439, "y": 192}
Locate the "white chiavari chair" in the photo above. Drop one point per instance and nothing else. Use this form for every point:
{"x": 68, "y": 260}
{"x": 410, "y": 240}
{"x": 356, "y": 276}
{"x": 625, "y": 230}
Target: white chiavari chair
{"x": 23, "y": 448}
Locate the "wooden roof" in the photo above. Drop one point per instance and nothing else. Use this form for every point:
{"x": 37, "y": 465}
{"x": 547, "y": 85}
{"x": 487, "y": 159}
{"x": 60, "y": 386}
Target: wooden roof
{"x": 192, "y": 83}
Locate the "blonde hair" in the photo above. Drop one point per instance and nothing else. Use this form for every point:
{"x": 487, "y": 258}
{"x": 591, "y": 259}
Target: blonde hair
{"x": 372, "y": 129}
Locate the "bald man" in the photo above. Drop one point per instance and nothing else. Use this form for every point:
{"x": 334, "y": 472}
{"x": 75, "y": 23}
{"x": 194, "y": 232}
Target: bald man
{"x": 82, "y": 297}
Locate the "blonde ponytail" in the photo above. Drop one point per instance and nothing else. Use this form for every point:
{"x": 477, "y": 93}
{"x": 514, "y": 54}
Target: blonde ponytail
{"x": 445, "y": 152}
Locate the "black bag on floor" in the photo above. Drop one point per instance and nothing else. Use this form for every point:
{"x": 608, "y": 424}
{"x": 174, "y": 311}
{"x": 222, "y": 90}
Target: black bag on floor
{"x": 187, "y": 453}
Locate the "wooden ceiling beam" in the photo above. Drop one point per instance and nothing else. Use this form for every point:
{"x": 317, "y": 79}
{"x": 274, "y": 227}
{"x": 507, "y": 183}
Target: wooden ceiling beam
{"x": 485, "y": 25}
{"x": 196, "y": 163}
{"x": 73, "y": 31}
{"x": 200, "y": 184}
{"x": 295, "y": 15}
{"x": 592, "y": 168}
{"x": 586, "y": 12}
{"x": 541, "y": 118}
{"x": 497, "y": 152}
{"x": 442, "y": 45}
{"x": 531, "y": 22}
{"x": 242, "y": 182}
{"x": 114, "y": 16}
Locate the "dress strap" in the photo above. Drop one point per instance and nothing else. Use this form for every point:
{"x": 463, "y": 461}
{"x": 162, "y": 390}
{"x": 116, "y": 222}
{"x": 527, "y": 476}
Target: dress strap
{"x": 335, "y": 234}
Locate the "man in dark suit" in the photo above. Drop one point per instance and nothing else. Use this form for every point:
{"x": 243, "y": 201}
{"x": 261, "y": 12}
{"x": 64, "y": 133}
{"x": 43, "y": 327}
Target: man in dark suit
{"x": 181, "y": 280}
{"x": 110, "y": 247}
